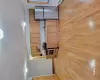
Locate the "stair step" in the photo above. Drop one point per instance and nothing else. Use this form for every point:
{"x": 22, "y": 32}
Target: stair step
{"x": 52, "y": 77}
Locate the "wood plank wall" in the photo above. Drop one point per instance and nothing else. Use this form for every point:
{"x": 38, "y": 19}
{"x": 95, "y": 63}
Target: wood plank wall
{"x": 34, "y": 33}
{"x": 52, "y": 31}
{"x": 79, "y": 40}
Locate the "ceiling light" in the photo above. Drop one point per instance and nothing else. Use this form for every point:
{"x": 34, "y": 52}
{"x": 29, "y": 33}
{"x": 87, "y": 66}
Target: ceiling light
{"x": 1, "y": 34}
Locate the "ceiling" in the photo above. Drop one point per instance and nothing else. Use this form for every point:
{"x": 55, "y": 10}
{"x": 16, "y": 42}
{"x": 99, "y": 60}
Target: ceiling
{"x": 31, "y": 5}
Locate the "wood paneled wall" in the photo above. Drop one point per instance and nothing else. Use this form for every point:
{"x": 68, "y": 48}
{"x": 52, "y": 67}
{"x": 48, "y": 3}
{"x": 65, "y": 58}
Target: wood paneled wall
{"x": 52, "y": 31}
{"x": 34, "y": 34}
{"x": 79, "y": 40}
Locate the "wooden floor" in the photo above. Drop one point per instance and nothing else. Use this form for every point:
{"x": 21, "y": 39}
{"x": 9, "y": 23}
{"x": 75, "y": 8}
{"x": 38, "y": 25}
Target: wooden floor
{"x": 53, "y": 77}
{"x": 79, "y": 44}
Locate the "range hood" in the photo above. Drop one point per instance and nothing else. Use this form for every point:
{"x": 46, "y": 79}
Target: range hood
{"x": 38, "y": 1}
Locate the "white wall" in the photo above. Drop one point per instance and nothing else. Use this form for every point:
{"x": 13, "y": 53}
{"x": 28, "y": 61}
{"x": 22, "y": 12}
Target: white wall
{"x": 51, "y": 3}
{"x": 40, "y": 67}
{"x": 12, "y": 46}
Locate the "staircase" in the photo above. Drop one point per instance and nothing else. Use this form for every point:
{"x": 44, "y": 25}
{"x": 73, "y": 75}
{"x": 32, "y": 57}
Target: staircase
{"x": 51, "y": 35}
{"x": 34, "y": 34}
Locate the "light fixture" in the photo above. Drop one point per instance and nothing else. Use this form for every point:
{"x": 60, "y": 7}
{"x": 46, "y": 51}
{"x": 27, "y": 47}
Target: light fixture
{"x": 1, "y": 34}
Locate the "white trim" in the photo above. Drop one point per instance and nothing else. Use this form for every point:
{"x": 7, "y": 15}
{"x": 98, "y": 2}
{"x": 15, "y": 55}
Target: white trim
{"x": 38, "y": 1}
{"x": 28, "y": 33}
{"x": 42, "y": 36}
{"x": 30, "y": 78}
{"x": 45, "y": 75}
